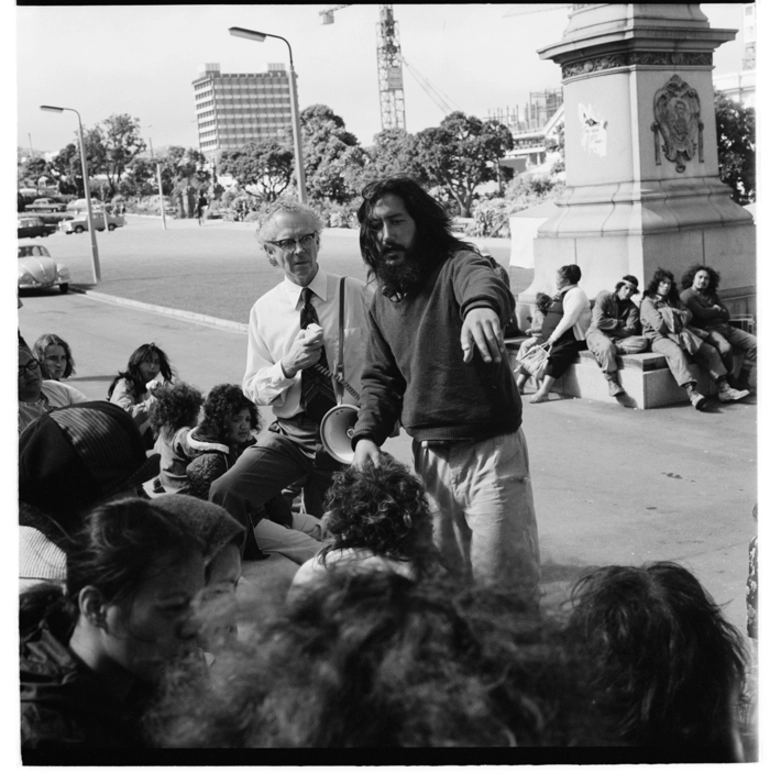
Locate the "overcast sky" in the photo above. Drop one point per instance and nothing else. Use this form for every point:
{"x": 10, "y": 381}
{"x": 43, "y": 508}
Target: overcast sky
{"x": 142, "y": 60}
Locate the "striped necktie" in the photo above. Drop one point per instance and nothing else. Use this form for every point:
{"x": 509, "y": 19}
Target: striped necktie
{"x": 317, "y": 391}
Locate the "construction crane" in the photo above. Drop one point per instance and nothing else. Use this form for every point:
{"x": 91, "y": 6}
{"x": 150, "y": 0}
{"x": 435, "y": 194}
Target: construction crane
{"x": 441, "y": 99}
{"x": 389, "y": 71}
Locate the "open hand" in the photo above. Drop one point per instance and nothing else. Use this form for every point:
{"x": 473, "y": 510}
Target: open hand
{"x": 481, "y": 328}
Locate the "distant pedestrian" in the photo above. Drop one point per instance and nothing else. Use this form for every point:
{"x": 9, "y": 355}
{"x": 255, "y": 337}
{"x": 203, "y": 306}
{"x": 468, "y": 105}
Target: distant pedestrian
{"x": 200, "y": 206}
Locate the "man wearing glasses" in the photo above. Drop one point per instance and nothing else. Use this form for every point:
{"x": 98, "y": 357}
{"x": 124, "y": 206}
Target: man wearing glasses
{"x": 38, "y": 396}
{"x": 293, "y": 335}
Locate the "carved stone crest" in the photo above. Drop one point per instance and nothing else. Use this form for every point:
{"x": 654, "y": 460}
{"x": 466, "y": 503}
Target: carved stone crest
{"x": 677, "y": 119}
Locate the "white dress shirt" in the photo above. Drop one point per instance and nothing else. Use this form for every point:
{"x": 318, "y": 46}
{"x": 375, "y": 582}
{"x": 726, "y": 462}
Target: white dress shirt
{"x": 274, "y": 324}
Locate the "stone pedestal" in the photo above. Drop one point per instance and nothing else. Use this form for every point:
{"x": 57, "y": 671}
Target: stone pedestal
{"x": 643, "y": 187}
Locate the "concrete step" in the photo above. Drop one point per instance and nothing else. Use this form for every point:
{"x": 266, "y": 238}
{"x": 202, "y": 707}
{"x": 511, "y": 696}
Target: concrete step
{"x": 645, "y": 377}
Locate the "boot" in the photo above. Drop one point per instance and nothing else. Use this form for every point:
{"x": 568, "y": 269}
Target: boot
{"x": 696, "y": 398}
{"x": 727, "y": 394}
{"x": 742, "y": 382}
{"x": 614, "y": 386}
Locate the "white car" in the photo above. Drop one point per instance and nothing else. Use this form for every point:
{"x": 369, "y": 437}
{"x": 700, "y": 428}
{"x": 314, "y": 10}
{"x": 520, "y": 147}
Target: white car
{"x": 39, "y": 271}
{"x": 79, "y": 223}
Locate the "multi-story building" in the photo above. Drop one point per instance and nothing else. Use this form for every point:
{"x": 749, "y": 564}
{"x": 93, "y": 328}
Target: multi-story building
{"x": 233, "y": 109}
{"x": 742, "y": 86}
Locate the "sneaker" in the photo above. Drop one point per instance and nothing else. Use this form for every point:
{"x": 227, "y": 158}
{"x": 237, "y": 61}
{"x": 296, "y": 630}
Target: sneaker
{"x": 697, "y": 399}
{"x": 727, "y": 394}
{"x": 615, "y": 388}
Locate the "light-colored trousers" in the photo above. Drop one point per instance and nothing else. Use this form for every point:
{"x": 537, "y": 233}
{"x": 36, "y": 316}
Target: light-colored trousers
{"x": 679, "y": 362}
{"x": 484, "y": 511}
{"x": 605, "y": 348}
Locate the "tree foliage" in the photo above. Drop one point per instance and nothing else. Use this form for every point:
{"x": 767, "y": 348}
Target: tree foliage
{"x": 460, "y": 154}
{"x": 121, "y": 144}
{"x": 736, "y": 147}
{"x": 266, "y": 165}
{"x": 333, "y": 156}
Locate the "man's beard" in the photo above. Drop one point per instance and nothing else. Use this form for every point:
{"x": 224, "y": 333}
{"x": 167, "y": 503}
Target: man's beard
{"x": 405, "y": 278}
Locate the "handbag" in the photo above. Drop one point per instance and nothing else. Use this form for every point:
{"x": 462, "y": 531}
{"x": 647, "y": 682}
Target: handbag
{"x": 535, "y": 361}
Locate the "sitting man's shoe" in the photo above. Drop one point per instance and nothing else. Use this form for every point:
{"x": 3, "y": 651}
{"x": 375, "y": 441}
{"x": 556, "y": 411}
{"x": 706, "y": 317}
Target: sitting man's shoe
{"x": 615, "y": 388}
{"x": 727, "y": 394}
{"x": 696, "y": 398}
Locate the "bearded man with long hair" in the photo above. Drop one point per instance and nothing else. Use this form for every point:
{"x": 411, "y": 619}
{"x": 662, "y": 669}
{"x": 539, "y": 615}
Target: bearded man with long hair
{"x": 436, "y": 360}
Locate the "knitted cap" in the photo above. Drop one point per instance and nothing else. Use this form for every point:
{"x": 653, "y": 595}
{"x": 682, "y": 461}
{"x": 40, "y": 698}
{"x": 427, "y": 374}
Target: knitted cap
{"x": 212, "y": 524}
{"x": 76, "y": 456}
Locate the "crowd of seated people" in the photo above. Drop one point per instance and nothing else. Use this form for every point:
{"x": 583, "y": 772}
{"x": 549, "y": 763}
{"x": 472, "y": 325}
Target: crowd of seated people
{"x": 692, "y": 330}
{"x": 129, "y": 618}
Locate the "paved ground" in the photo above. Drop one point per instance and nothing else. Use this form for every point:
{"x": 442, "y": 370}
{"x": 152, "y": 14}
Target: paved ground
{"x": 611, "y": 485}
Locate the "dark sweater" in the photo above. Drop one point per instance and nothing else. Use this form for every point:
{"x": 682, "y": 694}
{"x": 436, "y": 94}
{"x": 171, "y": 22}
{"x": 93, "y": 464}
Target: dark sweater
{"x": 702, "y": 307}
{"x": 414, "y": 361}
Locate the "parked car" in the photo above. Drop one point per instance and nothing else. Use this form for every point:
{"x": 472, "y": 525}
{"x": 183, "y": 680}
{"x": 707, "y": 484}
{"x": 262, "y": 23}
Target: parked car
{"x": 46, "y": 204}
{"x": 30, "y": 227}
{"x": 79, "y": 223}
{"x": 79, "y": 205}
{"x": 39, "y": 271}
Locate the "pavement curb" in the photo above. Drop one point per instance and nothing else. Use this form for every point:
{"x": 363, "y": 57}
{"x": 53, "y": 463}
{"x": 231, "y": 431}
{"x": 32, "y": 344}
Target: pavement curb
{"x": 191, "y": 316}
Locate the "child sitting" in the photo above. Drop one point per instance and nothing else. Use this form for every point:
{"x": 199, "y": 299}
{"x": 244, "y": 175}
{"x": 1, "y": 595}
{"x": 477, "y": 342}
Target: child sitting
{"x": 378, "y": 519}
{"x": 173, "y": 412}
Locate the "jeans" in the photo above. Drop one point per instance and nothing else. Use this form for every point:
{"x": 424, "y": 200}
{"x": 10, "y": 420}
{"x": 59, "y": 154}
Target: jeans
{"x": 484, "y": 511}
{"x": 605, "y": 348}
{"x": 726, "y": 338}
{"x": 679, "y": 362}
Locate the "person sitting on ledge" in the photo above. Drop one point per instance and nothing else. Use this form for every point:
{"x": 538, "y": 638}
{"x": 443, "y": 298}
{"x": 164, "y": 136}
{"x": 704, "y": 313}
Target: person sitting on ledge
{"x": 615, "y": 329}
{"x": 666, "y": 322}
{"x": 700, "y": 285}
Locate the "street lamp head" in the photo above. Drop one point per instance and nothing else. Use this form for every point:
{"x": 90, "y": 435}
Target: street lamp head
{"x": 242, "y": 32}
{"x": 52, "y": 109}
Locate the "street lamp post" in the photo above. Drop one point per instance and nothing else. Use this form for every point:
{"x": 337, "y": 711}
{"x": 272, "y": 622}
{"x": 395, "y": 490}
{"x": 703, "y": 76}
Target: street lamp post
{"x": 160, "y": 186}
{"x": 89, "y": 211}
{"x": 299, "y": 165}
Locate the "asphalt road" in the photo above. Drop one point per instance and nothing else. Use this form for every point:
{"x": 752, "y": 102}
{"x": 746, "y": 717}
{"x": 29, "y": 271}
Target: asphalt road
{"x": 217, "y": 269}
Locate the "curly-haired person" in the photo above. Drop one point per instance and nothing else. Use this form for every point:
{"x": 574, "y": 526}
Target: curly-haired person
{"x": 378, "y": 518}
{"x": 667, "y": 323}
{"x": 173, "y": 412}
{"x": 700, "y": 284}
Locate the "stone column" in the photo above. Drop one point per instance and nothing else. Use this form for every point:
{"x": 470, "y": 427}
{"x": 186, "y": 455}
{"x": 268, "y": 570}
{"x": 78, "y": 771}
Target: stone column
{"x": 643, "y": 187}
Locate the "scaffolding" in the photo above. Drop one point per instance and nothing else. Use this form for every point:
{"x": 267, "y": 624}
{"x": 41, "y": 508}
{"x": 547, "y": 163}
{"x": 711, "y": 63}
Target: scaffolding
{"x": 534, "y": 115}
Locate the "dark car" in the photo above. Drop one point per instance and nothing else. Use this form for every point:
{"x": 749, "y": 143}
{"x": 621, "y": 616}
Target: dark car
{"x": 29, "y": 227}
{"x": 46, "y": 204}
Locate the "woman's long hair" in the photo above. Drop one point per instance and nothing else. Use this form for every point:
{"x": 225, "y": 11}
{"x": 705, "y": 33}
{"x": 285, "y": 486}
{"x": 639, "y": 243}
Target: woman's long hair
{"x": 133, "y": 375}
{"x": 51, "y": 339}
{"x": 652, "y": 286}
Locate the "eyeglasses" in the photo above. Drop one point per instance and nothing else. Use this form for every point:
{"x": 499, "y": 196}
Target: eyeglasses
{"x": 31, "y": 366}
{"x": 290, "y": 245}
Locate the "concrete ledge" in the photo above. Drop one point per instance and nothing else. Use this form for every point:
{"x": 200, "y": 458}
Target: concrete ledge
{"x": 645, "y": 377}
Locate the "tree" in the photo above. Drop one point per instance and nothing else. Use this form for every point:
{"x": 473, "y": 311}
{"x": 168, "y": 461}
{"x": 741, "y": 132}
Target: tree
{"x": 183, "y": 166}
{"x": 140, "y": 179}
{"x": 736, "y": 147}
{"x": 461, "y": 154}
{"x": 265, "y": 164}
{"x": 122, "y": 144}
{"x": 332, "y": 155}
{"x": 31, "y": 170}
{"x": 393, "y": 153}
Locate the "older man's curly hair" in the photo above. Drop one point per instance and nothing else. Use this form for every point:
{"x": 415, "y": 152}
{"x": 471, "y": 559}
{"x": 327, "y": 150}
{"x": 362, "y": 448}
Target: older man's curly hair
{"x": 381, "y": 508}
{"x": 689, "y": 277}
{"x": 175, "y": 406}
{"x": 222, "y": 403}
